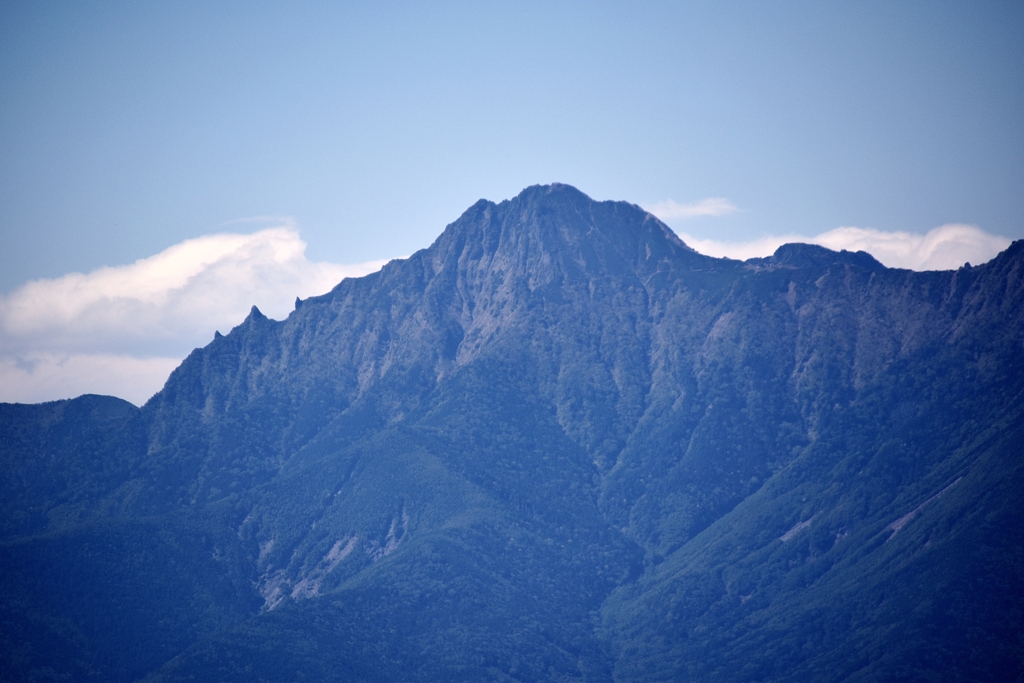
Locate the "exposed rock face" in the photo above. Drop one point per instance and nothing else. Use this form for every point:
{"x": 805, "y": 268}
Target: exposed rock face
{"x": 556, "y": 445}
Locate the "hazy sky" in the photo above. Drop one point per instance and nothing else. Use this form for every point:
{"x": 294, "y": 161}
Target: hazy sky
{"x": 128, "y": 128}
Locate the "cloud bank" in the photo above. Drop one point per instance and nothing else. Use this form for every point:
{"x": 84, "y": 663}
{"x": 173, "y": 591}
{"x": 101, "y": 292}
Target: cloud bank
{"x": 121, "y": 330}
{"x": 943, "y": 248}
{"x": 712, "y": 206}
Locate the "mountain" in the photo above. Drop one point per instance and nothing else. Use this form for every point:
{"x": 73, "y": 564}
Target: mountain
{"x": 556, "y": 445}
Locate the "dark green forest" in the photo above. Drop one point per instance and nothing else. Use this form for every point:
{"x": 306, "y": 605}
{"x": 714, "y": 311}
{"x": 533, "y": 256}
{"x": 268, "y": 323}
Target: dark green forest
{"x": 556, "y": 445}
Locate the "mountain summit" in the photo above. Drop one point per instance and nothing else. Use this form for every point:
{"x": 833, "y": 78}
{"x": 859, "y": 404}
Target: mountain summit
{"x": 558, "y": 444}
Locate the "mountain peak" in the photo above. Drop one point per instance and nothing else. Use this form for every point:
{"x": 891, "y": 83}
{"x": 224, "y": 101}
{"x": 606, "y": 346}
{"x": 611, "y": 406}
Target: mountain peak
{"x": 553, "y": 446}
{"x": 556, "y": 230}
{"x": 800, "y": 255}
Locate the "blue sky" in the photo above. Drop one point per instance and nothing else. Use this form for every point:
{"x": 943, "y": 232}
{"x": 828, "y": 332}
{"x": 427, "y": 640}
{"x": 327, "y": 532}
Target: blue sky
{"x": 128, "y": 128}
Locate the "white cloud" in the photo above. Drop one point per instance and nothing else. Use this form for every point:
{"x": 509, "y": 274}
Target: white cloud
{"x": 38, "y": 377}
{"x": 712, "y": 206}
{"x": 943, "y": 248}
{"x": 762, "y": 246}
{"x": 122, "y": 329}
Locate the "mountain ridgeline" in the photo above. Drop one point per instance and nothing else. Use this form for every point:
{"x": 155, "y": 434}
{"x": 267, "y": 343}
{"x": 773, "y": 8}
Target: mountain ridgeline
{"x": 556, "y": 445}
